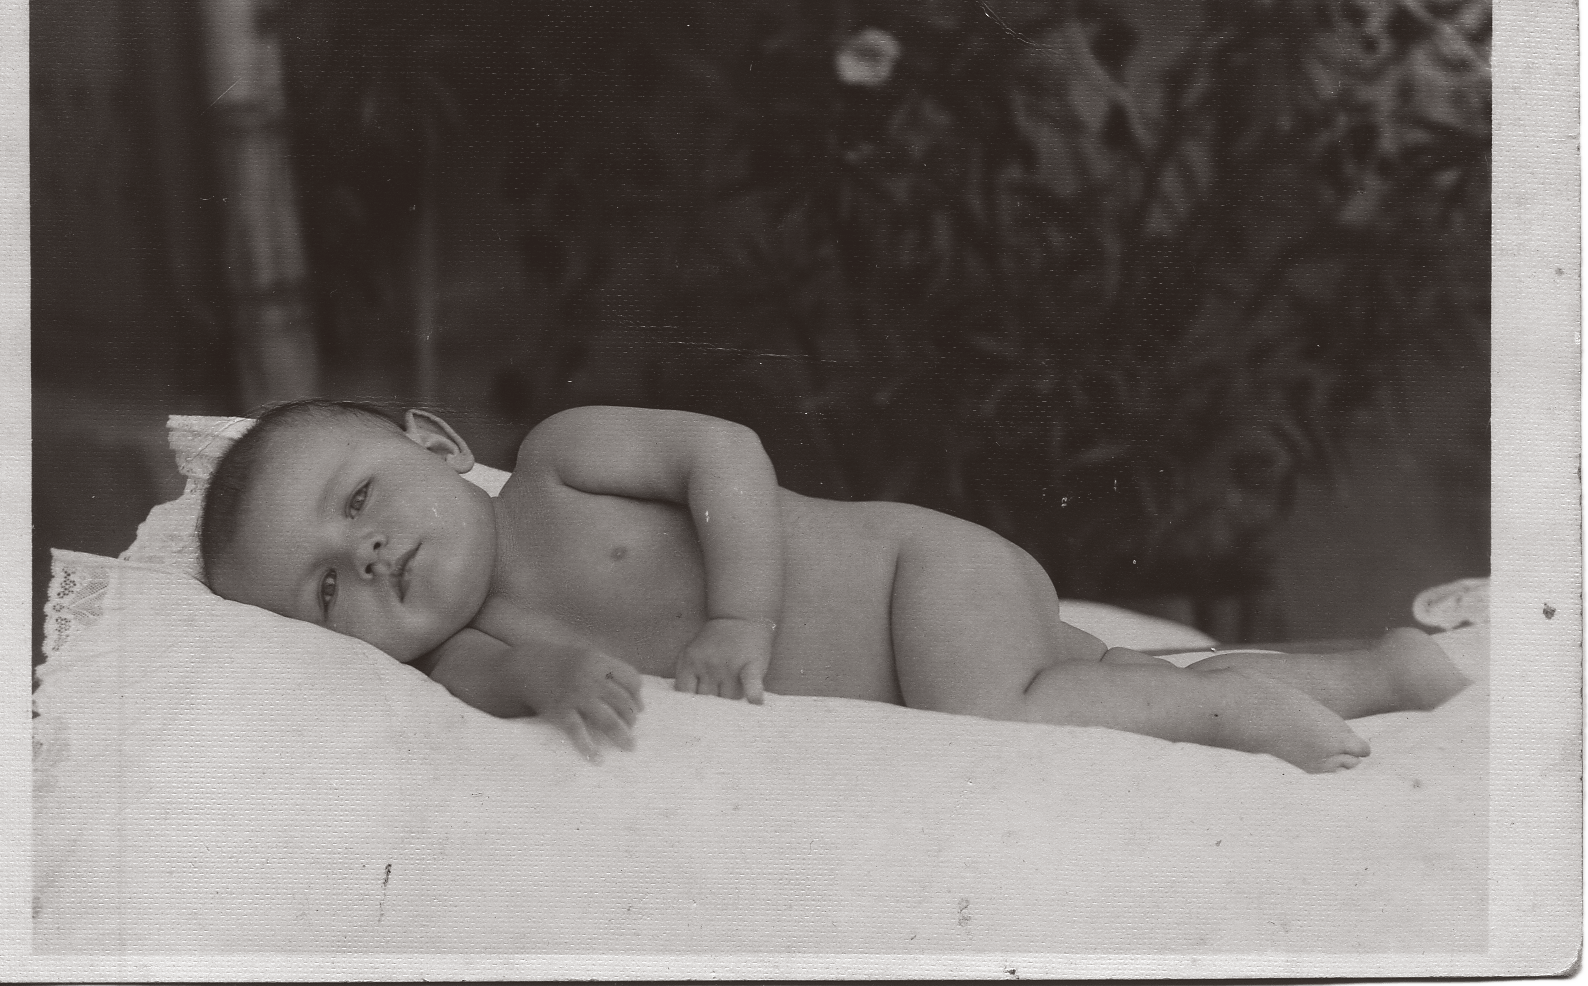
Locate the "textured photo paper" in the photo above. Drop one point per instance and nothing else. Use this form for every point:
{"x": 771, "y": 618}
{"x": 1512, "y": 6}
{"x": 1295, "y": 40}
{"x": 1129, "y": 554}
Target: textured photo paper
{"x": 907, "y": 860}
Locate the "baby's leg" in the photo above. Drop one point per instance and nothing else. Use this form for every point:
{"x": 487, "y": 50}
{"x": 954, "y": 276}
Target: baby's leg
{"x": 976, "y": 631}
{"x": 1404, "y": 670}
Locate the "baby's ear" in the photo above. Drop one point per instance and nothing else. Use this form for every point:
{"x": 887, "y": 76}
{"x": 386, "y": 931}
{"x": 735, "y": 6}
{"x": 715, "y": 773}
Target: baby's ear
{"x": 434, "y": 435}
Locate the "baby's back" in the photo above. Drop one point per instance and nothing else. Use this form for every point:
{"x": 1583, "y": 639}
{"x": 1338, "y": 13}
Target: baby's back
{"x": 627, "y": 576}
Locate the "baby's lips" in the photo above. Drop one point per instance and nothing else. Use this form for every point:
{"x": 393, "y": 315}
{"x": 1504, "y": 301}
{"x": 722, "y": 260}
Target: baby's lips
{"x": 404, "y": 570}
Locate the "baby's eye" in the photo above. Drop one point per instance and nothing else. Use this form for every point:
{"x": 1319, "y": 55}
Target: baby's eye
{"x": 356, "y": 504}
{"x": 327, "y": 592}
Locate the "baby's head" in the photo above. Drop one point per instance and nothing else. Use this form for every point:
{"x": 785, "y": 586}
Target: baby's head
{"x": 338, "y": 514}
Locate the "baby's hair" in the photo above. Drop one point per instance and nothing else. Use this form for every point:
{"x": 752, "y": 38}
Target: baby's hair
{"x": 235, "y": 473}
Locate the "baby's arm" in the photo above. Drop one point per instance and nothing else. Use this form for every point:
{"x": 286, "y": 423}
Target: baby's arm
{"x": 717, "y": 469}
{"x": 582, "y": 691}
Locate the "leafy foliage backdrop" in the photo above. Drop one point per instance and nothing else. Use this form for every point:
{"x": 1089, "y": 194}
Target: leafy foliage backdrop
{"x": 1107, "y": 277}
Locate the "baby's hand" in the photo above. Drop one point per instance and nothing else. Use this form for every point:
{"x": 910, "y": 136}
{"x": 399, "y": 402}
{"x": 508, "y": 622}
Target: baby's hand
{"x": 728, "y": 658}
{"x": 588, "y": 694}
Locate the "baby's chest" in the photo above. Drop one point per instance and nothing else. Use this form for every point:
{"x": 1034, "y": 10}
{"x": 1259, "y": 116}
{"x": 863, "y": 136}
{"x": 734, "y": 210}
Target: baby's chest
{"x": 600, "y": 558}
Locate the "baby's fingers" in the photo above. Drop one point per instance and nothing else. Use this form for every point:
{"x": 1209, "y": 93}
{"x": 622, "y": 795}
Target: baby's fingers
{"x": 629, "y": 680}
{"x": 608, "y": 723}
{"x": 579, "y": 734}
{"x": 684, "y": 680}
{"x": 621, "y": 702}
{"x": 750, "y": 680}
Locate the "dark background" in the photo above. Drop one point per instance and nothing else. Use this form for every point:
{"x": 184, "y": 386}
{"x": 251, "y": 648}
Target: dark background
{"x": 581, "y": 203}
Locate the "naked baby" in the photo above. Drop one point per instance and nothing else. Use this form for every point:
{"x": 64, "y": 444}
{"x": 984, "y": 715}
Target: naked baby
{"x": 633, "y": 541}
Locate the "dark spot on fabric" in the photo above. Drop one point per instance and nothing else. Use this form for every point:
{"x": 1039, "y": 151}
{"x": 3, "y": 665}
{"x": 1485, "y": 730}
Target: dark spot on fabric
{"x": 619, "y": 553}
{"x": 1549, "y": 612}
{"x": 381, "y": 914}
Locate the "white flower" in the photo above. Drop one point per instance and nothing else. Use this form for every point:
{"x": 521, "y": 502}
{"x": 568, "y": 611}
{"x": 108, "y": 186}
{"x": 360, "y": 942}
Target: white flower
{"x": 867, "y": 57}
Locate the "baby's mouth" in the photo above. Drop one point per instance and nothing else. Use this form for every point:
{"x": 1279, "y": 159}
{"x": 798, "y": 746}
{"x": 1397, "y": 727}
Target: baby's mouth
{"x": 402, "y": 572}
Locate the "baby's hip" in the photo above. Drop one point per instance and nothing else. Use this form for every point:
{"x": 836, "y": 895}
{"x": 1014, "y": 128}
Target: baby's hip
{"x": 843, "y": 586}
{"x": 835, "y": 636}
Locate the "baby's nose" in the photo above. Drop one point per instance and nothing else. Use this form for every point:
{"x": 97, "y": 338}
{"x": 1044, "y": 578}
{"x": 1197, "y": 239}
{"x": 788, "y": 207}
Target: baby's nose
{"x": 375, "y": 561}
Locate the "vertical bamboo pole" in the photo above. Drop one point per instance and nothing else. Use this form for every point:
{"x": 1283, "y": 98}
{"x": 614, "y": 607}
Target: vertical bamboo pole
{"x": 273, "y": 340}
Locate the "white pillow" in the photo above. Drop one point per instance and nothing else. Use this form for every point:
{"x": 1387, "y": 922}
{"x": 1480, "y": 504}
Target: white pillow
{"x": 205, "y": 712}
{"x": 216, "y": 778}
{"x": 139, "y": 648}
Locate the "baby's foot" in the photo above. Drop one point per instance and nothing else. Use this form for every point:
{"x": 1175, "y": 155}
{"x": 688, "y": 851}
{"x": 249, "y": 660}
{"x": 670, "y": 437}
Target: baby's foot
{"x": 1270, "y": 717}
{"x": 1420, "y": 671}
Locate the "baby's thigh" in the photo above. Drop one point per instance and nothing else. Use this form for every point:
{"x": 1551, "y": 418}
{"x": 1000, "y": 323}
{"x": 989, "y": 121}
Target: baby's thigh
{"x": 974, "y": 620}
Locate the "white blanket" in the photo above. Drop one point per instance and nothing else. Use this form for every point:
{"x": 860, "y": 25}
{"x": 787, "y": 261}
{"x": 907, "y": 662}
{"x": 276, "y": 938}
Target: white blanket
{"x": 211, "y": 777}
{"x": 268, "y": 798}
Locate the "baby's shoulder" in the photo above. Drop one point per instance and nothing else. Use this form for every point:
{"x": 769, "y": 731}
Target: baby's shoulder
{"x": 566, "y": 440}
{"x": 574, "y": 427}
{"x": 533, "y": 450}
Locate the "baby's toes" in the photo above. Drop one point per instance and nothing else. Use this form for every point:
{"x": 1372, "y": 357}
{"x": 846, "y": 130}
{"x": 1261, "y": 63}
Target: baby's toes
{"x": 1350, "y": 751}
{"x": 1338, "y": 762}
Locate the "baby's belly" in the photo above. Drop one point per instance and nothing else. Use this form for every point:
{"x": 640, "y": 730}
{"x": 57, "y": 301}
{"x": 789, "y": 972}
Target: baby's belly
{"x": 632, "y": 583}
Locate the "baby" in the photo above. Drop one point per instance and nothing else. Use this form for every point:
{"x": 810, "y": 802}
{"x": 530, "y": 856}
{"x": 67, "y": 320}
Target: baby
{"x": 633, "y": 541}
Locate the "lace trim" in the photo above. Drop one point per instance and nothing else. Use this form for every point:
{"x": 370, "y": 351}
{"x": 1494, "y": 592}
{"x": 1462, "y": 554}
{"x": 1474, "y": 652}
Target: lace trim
{"x": 79, "y": 583}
